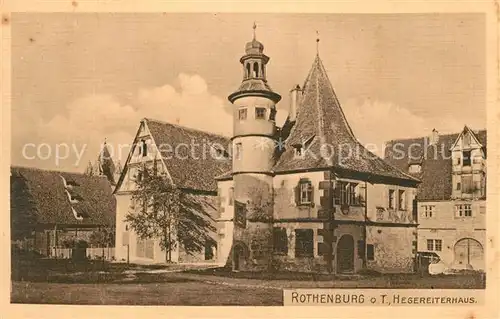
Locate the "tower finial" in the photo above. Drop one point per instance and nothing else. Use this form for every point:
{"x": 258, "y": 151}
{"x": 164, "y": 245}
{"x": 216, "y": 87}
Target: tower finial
{"x": 317, "y": 42}
{"x": 254, "y": 28}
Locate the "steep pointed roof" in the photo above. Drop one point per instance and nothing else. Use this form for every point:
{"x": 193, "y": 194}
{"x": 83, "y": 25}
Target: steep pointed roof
{"x": 322, "y": 128}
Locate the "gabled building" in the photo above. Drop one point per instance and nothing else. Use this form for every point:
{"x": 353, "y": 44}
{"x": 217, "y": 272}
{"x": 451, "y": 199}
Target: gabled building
{"x": 308, "y": 196}
{"x": 52, "y": 209}
{"x": 452, "y": 195}
{"x": 190, "y": 159}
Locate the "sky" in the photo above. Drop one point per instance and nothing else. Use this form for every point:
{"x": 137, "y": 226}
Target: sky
{"x": 78, "y": 79}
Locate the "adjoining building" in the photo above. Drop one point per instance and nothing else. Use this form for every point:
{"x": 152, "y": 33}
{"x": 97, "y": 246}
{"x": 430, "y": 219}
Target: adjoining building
{"x": 452, "y": 196}
{"x": 52, "y": 209}
{"x": 190, "y": 159}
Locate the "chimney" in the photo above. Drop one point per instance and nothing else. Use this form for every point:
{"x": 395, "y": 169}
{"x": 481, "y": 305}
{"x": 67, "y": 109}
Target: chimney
{"x": 295, "y": 95}
{"x": 434, "y": 138}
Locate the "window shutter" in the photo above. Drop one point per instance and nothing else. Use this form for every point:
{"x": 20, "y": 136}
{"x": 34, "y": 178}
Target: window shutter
{"x": 312, "y": 194}
{"x": 297, "y": 194}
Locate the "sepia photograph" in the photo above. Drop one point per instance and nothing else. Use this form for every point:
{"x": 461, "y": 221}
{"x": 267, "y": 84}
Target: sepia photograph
{"x": 248, "y": 159}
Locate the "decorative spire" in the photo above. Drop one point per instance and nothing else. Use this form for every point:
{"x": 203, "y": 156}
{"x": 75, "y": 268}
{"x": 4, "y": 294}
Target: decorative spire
{"x": 254, "y": 28}
{"x": 89, "y": 171}
{"x": 317, "y": 42}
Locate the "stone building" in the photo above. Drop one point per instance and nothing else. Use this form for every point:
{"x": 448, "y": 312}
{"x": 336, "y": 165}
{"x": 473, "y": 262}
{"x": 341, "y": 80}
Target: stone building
{"x": 276, "y": 199}
{"x": 452, "y": 195}
{"x": 308, "y": 196}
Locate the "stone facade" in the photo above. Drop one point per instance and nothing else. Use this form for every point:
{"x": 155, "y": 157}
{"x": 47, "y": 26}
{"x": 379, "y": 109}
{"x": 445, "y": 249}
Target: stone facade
{"x": 390, "y": 232}
{"x": 452, "y": 231}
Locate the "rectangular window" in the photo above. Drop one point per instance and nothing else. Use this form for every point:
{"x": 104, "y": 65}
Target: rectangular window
{"x": 466, "y": 158}
{"x": 370, "y": 252}
{"x": 305, "y": 192}
{"x": 260, "y": 113}
{"x": 430, "y": 244}
{"x": 140, "y": 248}
{"x": 144, "y": 148}
{"x": 210, "y": 248}
{"x": 240, "y": 215}
{"x": 304, "y": 243}
{"x": 459, "y": 186}
{"x": 280, "y": 241}
{"x": 237, "y": 150}
{"x": 242, "y": 114}
{"x": 231, "y": 196}
{"x": 401, "y": 200}
{"x": 438, "y": 244}
{"x": 434, "y": 244}
{"x": 149, "y": 249}
{"x": 467, "y": 185}
{"x": 428, "y": 211}
{"x": 391, "y": 198}
{"x": 343, "y": 193}
{"x": 353, "y": 198}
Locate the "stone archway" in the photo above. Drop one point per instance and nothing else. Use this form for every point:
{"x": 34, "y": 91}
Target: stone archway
{"x": 240, "y": 256}
{"x": 345, "y": 254}
{"x": 469, "y": 253}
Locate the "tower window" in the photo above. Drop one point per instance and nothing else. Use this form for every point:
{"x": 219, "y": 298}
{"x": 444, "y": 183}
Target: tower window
{"x": 260, "y": 113}
{"x": 272, "y": 116}
{"x": 242, "y": 114}
{"x": 247, "y": 74}
{"x": 256, "y": 69}
{"x": 237, "y": 150}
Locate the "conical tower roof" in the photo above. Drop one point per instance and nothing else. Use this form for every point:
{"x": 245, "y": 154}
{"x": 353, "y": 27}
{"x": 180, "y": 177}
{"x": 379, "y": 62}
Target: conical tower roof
{"x": 322, "y": 128}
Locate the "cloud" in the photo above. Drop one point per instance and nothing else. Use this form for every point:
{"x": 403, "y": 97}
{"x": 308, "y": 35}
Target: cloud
{"x": 88, "y": 120}
{"x": 376, "y": 122}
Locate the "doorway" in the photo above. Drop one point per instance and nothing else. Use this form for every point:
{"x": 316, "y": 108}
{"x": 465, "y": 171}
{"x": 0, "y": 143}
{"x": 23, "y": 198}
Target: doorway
{"x": 468, "y": 251}
{"x": 239, "y": 257}
{"x": 345, "y": 254}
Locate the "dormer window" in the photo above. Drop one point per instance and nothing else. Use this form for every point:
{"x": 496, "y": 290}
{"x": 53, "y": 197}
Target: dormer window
{"x": 242, "y": 114}
{"x": 466, "y": 155}
{"x": 415, "y": 168}
{"x": 299, "y": 151}
{"x": 260, "y": 113}
{"x": 219, "y": 153}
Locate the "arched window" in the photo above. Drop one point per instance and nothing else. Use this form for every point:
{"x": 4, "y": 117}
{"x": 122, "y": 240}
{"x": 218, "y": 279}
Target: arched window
{"x": 262, "y": 72}
{"x": 256, "y": 69}
{"x": 247, "y": 75}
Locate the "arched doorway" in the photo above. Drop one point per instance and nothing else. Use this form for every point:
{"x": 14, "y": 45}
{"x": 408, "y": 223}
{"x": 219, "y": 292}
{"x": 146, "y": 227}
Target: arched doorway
{"x": 345, "y": 254}
{"x": 239, "y": 256}
{"x": 468, "y": 251}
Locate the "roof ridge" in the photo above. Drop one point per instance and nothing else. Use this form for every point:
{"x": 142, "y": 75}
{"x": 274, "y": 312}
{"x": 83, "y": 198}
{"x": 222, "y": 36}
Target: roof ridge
{"x": 440, "y": 135}
{"x": 53, "y": 171}
{"x": 186, "y": 128}
{"x": 330, "y": 85}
